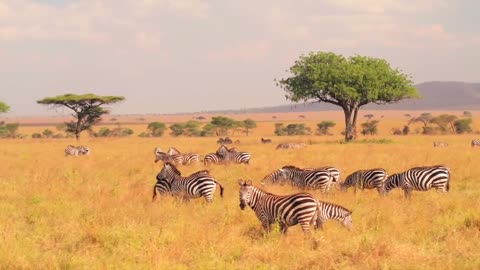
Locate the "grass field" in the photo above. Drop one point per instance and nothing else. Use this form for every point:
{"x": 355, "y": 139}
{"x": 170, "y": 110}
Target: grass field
{"x": 95, "y": 212}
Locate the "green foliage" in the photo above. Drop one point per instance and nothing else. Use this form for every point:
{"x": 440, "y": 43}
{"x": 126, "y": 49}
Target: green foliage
{"x": 4, "y": 107}
{"x": 208, "y": 130}
{"x": 36, "y": 136}
{"x": 445, "y": 122}
{"x": 406, "y": 130}
{"x": 115, "y": 132}
{"x": 322, "y": 127}
{"x": 424, "y": 118}
{"x": 223, "y": 124}
{"x": 47, "y": 133}
{"x": 9, "y": 131}
{"x": 248, "y": 124}
{"x": 370, "y": 127}
{"x": 463, "y": 126}
{"x": 86, "y": 109}
{"x": 291, "y": 129}
{"x": 346, "y": 82}
{"x": 156, "y": 129}
{"x": 189, "y": 129}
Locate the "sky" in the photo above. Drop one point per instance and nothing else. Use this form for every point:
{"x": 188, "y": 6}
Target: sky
{"x": 169, "y": 56}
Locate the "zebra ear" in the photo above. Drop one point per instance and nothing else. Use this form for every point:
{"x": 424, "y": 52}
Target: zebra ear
{"x": 249, "y": 182}
{"x": 240, "y": 182}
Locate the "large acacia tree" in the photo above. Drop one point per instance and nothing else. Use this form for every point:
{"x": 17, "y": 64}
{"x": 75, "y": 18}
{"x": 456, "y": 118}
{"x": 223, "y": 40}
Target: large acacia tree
{"x": 87, "y": 109}
{"x": 349, "y": 83}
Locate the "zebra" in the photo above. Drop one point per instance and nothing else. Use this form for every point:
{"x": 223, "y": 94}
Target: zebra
{"x": 305, "y": 179}
{"x": 336, "y": 212}
{"x": 365, "y": 179}
{"x": 199, "y": 184}
{"x": 287, "y": 210}
{"x": 475, "y": 143}
{"x": 335, "y": 172}
{"x": 71, "y": 150}
{"x": 265, "y": 141}
{"x": 291, "y": 145}
{"x": 420, "y": 179}
{"x": 440, "y": 144}
{"x": 174, "y": 156}
{"x": 232, "y": 155}
{"x": 227, "y": 140}
{"x": 213, "y": 158}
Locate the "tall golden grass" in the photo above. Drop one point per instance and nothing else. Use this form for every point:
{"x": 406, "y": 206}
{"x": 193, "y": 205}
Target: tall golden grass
{"x": 95, "y": 212}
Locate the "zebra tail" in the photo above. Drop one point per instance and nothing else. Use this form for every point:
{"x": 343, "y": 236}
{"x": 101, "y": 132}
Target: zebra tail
{"x": 221, "y": 188}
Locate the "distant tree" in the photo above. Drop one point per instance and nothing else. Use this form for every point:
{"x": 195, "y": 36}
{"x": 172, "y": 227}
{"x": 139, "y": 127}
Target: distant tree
{"x": 291, "y": 129}
{"x": 425, "y": 119}
{"x": 324, "y": 126}
{"x": 302, "y": 116}
{"x": 4, "y": 107}
{"x": 249, "y": 124}
{"x": 177, "y": 129}
{"x": 396, "y": 131}
{"x": 445, "y": 122}
{"x": 156, "y": 129}
{"x": 370, "y": 127}
{"x": 406, "y": 130}
{"x": 87, "y": 109}
{"x": 208, "y": 130}
{"x": 36, "y": 136}
{"x": 407, "y": 115}
{"x": 467, "y": 114}
{"x": 349, "y": 83}
{"x": 9, "y": 130}
{"x": 463, "y": 126}
{"x": 47, "y": 133}
{"x": 368, "y": 116}
{"x": 223, "y": 124}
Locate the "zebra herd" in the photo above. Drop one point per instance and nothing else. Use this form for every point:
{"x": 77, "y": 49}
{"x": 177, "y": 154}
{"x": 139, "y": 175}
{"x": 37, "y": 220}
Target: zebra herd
{"x": 223, "y": 155}
{"x": 474, "y": 143}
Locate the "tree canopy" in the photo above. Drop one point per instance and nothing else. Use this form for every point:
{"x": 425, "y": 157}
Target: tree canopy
{"x": 87, "y": 109}
{"x": 349, "y": 83}
{"x": 4, "y": 107}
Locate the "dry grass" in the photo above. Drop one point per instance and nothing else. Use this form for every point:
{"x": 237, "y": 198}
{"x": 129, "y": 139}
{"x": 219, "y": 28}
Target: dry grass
{"x": 95, "y": 212}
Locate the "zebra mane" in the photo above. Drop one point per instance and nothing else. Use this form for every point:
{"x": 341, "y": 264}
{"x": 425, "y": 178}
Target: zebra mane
{"x": 290, "y": 167}
{"x": 173, "y": 151}
{"x": 173, "y": 168}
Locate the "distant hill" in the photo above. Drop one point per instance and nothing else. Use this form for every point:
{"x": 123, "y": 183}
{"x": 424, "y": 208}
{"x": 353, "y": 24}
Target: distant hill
{"x": 435, "y": 96}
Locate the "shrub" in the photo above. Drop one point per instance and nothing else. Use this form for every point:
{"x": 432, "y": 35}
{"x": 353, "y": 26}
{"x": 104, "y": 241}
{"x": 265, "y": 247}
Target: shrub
{"x": 36, "y": 136}
{"x": 370, "y": 127}
{"x": 156, "y": 129}
{"x": 322, "y": 127}
{"x": 463, "y": 126}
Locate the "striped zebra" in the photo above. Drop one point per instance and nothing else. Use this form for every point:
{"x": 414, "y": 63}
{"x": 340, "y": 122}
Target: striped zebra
{"x": 212, "y": 158}
{"x": 365, "y": 179}
{"x": 335, "y": 212}
{"x": 199, "y": 184}
{"x": 305, "y": 179}
{"x": 291, "y": 145}
{"x": 475, "y": 143}
{"x": 420, "y": 179}
{"x": 178, "y": 159}
{"x": 440, "y": 144}
{"x": 287, "y": 210}
{"x": 232, "y": 155}
{"x": 71, "y": 150}
{"x": 335, "y": 172}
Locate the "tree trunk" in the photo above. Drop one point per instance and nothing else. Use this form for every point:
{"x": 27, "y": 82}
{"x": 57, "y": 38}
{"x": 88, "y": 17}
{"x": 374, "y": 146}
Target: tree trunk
{"x": 350, "y": 123}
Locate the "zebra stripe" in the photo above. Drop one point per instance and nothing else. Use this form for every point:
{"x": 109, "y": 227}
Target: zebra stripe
{"x": 305, "y": 179}
{"x": 475, "y": 143}
{"x": 212, "y": 158}
{"x": 420, "y": 179}
{"x": 288, "y": 210}
{"x": 335, "y": 172}
{"x": 365, "y": 179}
{"x": 199, "y": 184}
{"x": 177, "y": 159}
{"x": 440, "y": 144}
{"x": 335, "y": 212}
{"x": 232, "y": 155}
{"x": 71, "y": 150}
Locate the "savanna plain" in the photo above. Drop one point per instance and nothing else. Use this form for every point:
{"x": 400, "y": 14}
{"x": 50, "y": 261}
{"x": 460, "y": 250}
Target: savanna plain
{"x": 96, "y": 211}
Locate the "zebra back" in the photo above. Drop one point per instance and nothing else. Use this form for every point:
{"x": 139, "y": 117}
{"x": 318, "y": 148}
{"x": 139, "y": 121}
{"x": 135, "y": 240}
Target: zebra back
{"x": 308, "y": 179}
{"x": 365, "y": 179}
{"x": 475, "y": 143}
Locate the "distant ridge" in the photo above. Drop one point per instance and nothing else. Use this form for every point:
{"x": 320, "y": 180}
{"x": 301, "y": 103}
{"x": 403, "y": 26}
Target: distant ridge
{"x": 436, "y": 95}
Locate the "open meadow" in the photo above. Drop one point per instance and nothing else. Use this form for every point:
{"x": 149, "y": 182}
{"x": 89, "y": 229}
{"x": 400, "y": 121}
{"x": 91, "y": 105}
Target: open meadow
{"x": 96, "y": 211}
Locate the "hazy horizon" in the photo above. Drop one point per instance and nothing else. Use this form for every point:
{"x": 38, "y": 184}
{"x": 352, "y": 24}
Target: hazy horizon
{"x": 170, "y": 56}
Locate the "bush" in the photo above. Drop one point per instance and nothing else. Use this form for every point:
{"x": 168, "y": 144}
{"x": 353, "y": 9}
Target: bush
{"x": 370, "y": 127}
{"x": 9, "y": 131}
{"x": 322, "y": 128}
{"x": 36, "y": 136}
{"x": 463, "y": 126}
{"x": 406, "y": 130}
{"x": 291, "y": 129}
{"x": 156, "y": 129}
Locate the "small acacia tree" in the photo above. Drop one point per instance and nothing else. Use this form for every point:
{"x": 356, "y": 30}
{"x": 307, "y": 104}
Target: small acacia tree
{"x": 349, "y": 83}
{"x": 248, "y": 124}
{"x": 4, "y": 107}
{"x": 87, "y": 109}
{"x": 324, "y": 126}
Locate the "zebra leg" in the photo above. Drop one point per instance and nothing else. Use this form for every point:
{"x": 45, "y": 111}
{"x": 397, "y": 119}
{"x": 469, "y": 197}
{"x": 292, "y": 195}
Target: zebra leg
{"x": 283, "y": 228}
{"x": 407, "y": 193}
{"x": 266, "y": 225}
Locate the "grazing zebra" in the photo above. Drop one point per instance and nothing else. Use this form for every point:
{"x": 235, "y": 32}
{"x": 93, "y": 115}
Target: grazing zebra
{"x": 305, "y": 179}
{"x": 440, "y": 144}
{"x": 475, "y": 143}
{"x": 199, "y": 184}
{"x": 212, "y": 158}
{"x": 336, "y": 212}
{"x": 71, "y": 150}
{"x": 420, "y": 179}
{"x": 291, "y": 145}
{"x": 174, "y": 156}
{"x": 265, "y": 141}
{"x": 227, "y": 140}
{"x": 335, "y": 172}
{"x": 232, "y": 155}
{"x": 287, "y": 210}
{"x": 365, "y": 179}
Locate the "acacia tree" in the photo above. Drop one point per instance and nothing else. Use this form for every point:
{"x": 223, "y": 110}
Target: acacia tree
{"x": 4, "y": 107}
{"x": 87, "y": 109}
{"x": 349, "y": 83}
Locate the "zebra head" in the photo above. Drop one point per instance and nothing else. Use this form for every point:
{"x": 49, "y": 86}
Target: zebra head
{"x": 173, "y": 151}
{"x": 348, "y": 221}
{"x": 277, "y": 176}
{"x": 245, "y": 192}
{"x": 83, "y": 150}
{"x": 159, "y": 156}
{"x": 168, "y": 172}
